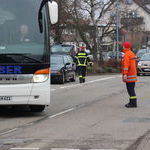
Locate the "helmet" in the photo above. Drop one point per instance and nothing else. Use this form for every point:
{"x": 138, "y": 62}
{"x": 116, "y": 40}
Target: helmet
{"x": 82, "y": 48}
{"x": 126, "y": 45}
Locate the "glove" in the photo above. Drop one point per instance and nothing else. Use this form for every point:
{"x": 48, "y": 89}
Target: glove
{"x": 124, "y": 78}
{"x": 91, "y": 64}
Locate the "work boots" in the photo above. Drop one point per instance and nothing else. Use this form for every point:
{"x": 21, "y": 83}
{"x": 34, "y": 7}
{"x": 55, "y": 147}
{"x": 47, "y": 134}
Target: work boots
{"x": 83, "y": 80}
{"x": 132, "y": 103}
{"x": 80, "y": 80}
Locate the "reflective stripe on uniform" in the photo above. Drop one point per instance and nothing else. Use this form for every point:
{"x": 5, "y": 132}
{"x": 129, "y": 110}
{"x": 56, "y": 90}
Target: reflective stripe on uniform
{"x": 81, "y": 65}
{"x": 80, "y": 76}
{"x": 78, "y": 61}
{"x": 83, "y": 54}
{"x": 131, "y": 79}
{"x": 133, "y": 97}
{"x": 132, "y": 76}
{"x": 82, "y": 57}
{"x": 125, "y": 68}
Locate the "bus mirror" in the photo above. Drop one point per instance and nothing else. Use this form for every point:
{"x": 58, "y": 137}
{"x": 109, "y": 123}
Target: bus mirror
{"x": 53, "y": 10}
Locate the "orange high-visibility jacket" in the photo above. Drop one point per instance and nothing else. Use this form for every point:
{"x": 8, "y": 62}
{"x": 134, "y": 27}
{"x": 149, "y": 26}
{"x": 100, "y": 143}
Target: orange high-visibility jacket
{"x": 129, "y": 65}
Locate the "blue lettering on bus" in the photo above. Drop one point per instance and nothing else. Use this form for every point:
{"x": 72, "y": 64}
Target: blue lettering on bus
{"x": 10, "y": 70}
{"x": 17, "y": 70}
{"x": 2, "y": 69}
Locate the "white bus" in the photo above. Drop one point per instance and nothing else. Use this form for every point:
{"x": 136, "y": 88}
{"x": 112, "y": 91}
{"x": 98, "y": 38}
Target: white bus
{"x": 25, "y": 52}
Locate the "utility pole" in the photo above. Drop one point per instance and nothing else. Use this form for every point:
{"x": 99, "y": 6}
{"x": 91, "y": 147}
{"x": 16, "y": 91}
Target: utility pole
{"x": 117, "y": 29}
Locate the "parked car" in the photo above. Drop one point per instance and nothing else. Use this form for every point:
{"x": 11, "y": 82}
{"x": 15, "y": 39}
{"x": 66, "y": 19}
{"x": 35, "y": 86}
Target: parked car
{"x": 107, "y": 55}
{"x": 63, "y": 49}
{"x": 143, "y": 66}
{"x": 141, "y": 52}
{"x": 62, "y": 68}
{"x": 111, "y": 55}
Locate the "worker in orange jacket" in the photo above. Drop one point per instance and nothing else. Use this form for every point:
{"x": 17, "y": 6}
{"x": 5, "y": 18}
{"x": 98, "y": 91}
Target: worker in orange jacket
{"x": 129, "y": 74}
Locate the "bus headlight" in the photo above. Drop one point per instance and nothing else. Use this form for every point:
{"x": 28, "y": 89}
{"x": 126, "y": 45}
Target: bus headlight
{"x": 40, "y": 77}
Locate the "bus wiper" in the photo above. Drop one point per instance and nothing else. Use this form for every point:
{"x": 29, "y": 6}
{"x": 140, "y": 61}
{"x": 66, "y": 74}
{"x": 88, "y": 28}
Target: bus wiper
{"x": 23, "y": 55}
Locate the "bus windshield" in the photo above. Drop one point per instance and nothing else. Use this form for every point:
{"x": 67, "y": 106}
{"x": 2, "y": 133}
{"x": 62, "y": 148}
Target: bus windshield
{"x": 20, "y": 39}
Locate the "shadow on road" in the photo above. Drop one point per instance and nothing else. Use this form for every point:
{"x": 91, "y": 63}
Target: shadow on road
{"x": 18, "y": 111}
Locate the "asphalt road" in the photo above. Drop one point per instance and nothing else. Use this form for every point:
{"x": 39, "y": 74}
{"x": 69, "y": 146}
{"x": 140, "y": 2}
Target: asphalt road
{"x": 82, "y": 116}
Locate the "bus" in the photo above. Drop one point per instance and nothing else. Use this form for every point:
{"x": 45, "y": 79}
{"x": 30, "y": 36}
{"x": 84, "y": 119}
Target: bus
{"x": 25, "y": 52}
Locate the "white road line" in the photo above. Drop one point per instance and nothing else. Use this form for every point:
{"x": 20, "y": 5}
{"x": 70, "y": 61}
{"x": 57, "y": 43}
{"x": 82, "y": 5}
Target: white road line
{"x": 12, "y": 130}
{"x": 77, "y": 85}
{"x": 102, "y": 79}
{"x": 19, "y": 148}
{"x": 70, "y": 86}
{"x": 63, "y": 149}
{"x": 61, "y": 113}
{"x": 103, "y": 149}
{"x": 55, "y": 149}
{"x": 29, "y": 124}
{"x": 53, "y": 90}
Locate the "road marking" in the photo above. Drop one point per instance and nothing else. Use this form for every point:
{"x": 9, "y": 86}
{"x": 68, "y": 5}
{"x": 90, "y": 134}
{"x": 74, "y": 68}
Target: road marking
{"x": 55, "y": 149}
{"x": 100, "y": 80}
{"x": 12, "y": 130}
{"x": 103, "y": 149}
{"x": 70, "y": 86}
{"x": 63, "y": 149}
{"x": 19, "y": 148}
{"x": 77, "y": 85}
{"x": 61, "y": 113}
{"x": 53, "y": 90}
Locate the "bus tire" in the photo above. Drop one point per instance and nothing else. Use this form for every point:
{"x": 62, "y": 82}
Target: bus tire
{"x": 37, "y": 108}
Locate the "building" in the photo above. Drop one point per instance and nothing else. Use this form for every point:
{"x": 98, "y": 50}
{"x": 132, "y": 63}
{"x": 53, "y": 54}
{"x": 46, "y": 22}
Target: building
{"x": 135, "y": 19}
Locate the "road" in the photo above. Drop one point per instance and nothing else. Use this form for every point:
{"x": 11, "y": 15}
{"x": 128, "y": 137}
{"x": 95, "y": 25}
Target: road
{"x": 82, "y": 116}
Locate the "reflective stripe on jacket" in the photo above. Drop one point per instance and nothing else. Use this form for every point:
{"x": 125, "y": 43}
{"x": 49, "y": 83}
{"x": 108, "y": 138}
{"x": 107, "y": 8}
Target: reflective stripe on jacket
{"x": 129, "y": 65}
{"x": 82, "y": 58}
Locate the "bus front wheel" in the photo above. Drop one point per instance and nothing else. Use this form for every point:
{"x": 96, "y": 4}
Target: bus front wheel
{"x": 37, "y": 108}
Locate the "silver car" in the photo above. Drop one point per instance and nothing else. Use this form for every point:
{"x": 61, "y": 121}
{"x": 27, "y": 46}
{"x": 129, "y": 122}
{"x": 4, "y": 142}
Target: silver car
{"x": 143, "y": 66}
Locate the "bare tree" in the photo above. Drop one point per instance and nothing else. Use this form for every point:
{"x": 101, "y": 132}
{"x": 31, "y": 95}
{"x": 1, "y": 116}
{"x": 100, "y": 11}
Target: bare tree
{"x": 62, "y": 21}
{"x": 88, "y": 17}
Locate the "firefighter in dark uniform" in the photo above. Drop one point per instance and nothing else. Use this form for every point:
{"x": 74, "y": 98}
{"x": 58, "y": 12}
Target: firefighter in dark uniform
{"x": 82, "y": 60}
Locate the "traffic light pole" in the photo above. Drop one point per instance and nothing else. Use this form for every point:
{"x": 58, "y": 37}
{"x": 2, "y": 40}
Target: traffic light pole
{"x": 117, "y": 30}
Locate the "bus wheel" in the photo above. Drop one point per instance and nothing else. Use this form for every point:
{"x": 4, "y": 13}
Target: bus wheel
{"x": 37, "y": 108}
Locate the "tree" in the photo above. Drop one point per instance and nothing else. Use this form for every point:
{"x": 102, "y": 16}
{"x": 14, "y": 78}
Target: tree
{"x": 88, "y": 17}
{"x": 63, "y": 18}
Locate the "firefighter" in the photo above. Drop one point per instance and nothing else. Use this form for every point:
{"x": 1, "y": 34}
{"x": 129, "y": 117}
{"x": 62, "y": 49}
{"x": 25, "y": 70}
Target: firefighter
{"x": 129, "y": 74}
{"x": 82, "y": 60}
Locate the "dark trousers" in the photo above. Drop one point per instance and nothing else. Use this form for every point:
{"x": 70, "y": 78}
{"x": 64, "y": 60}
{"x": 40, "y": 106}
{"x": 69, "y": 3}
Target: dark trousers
{"x": 81, "y": 71}
{"x": 131, "y": 90}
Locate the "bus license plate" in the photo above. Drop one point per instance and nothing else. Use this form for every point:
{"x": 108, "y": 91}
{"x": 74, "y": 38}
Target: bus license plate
{"x": 5, "y": 98}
